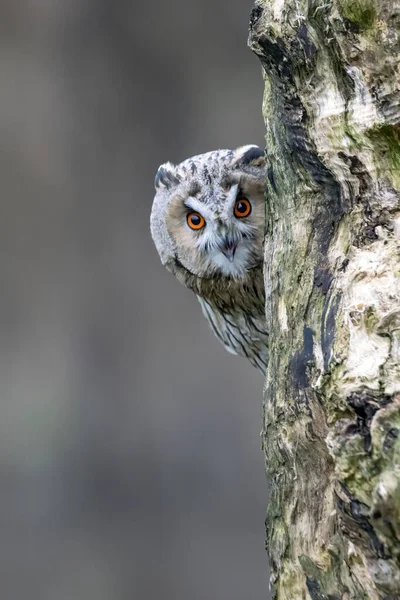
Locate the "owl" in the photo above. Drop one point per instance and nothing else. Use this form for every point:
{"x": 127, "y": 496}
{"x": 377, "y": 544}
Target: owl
{"x": 207, "y": 223}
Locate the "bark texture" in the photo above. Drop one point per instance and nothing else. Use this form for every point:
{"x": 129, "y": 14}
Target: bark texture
{"x": 332, "y": 279}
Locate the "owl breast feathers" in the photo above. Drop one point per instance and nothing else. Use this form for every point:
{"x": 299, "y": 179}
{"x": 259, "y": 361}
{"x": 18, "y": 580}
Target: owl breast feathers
{"x": 207, "y": 223}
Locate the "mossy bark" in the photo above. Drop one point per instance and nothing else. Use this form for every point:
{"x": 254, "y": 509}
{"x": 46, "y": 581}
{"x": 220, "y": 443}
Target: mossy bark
{"x": 332, "y": 280}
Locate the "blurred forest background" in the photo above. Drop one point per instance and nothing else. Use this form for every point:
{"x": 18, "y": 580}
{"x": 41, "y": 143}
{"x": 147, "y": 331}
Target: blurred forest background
{"x": 130, "y": 461}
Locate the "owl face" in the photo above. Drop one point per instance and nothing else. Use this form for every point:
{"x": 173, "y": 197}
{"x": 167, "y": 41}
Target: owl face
{"x": 208, "y": 213}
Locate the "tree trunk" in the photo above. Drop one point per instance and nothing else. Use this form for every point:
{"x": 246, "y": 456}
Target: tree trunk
{"x": 332, "y": 280}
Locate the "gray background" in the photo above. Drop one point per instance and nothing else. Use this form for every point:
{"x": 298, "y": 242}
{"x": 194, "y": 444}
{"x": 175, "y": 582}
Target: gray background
{"x": 130, "y": 461}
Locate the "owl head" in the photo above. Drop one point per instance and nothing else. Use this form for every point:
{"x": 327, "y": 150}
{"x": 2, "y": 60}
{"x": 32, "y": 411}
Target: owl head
{"x": 208, "y": 213}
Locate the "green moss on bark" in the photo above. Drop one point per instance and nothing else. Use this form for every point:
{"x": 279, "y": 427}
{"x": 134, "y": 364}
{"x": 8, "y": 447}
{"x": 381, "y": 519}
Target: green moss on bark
{"x": 361, "y": 12}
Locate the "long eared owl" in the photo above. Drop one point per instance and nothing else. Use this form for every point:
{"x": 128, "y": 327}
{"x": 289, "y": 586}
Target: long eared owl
{"x": 207, "y": 223}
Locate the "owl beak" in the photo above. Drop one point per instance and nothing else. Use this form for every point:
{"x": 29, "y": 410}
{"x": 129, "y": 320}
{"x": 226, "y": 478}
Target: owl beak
{"x": 228, "y": 250}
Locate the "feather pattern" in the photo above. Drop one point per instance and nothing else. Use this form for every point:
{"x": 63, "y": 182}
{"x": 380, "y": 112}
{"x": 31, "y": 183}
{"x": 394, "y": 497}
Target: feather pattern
{"x": 240, "y": 333}
{"x": 221, "y": 260}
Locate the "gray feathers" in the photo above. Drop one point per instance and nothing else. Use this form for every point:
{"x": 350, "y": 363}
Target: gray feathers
{"x": 239, "y": 333}
{"x": 207, "y": 223}
{"x": 165, "y": 177}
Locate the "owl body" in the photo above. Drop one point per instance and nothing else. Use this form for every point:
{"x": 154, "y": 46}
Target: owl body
{"x": 207, "y": 223}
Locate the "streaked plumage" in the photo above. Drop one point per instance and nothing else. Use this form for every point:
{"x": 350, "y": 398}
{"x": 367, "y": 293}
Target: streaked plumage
{"x": 207, "y": 223}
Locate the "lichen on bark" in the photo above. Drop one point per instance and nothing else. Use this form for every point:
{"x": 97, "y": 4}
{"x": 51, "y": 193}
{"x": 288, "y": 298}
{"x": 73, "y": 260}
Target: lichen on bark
{"x": 332, "y": 280}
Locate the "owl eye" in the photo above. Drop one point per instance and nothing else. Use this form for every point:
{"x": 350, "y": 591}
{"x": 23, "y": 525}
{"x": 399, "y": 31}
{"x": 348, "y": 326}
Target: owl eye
{"x": 242, "y": 208}
{"x": 195, "y": 221}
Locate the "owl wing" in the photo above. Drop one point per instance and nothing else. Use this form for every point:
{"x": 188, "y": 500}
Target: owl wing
{"x": 239, "y": 333}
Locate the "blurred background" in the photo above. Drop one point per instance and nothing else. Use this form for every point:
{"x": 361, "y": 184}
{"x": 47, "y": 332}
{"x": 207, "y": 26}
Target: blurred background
{"x": 130, "y": 460}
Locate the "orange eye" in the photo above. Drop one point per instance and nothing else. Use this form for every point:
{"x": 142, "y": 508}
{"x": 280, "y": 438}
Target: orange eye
{"x": 195, "y": 221}
{"x": 242, "y": 208}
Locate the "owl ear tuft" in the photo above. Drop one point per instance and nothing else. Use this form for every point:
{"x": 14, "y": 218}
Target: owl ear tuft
{"x": 251, "y": 156}
{"x": 166, "y": 176}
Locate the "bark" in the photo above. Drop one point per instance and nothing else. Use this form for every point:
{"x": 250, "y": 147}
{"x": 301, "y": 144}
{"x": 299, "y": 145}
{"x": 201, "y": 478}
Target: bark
{"x": 332, "y": 280}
